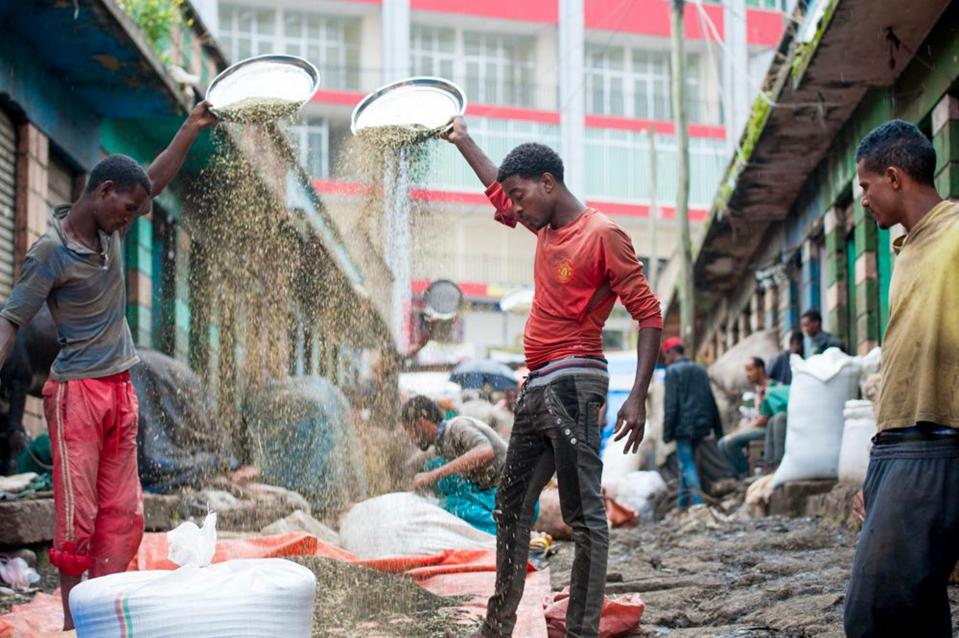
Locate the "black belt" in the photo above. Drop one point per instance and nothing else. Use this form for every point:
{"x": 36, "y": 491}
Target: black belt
{"x": 924, "y": 432}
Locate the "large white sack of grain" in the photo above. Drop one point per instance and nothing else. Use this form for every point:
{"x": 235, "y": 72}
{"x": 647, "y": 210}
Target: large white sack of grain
{"x": 616, "y": 465}
{"x": 639, "y": 490}
{"x": 262, "y": 598}
{"x": 821, "y": 385}
{"x": 402, "y": 524}
{"x": 728, "y": 372}
{"x": 857, "y": 433}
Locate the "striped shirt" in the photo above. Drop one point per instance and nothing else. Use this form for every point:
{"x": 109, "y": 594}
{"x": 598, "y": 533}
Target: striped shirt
{"x": 85, "y": 292}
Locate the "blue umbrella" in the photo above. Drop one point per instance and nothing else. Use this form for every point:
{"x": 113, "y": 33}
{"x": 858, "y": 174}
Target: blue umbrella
{"x": 480, "y": 373}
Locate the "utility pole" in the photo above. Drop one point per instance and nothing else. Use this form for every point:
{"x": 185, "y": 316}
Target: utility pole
{"x": 653, "y": 213}
{"x": 687, "y": 314}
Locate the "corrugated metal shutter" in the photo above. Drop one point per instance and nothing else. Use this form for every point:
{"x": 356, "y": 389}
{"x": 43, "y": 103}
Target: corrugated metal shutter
{"x": 8, "y": 185}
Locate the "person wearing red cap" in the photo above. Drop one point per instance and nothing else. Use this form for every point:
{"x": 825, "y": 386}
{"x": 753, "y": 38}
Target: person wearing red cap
{"x": 584, "y": 263}
{"x": 690, "y": 414}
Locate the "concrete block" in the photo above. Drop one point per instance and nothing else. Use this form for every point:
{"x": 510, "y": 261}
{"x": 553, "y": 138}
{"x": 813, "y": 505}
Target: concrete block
{"x": 26, "y": 522}
{"x": 834, "y": 506}
{"x": 947, "y": 109}
{"x": 866, "y": 267}
{"x": 160, "y": 512}
{"x": 790, "y": 499}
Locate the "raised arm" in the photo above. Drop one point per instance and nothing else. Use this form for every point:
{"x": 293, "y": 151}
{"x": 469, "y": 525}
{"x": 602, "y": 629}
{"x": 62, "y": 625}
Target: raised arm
{"x": 482, "y": 165}
{"x": 166, "y": 165}
{"x": 486, "y": 170}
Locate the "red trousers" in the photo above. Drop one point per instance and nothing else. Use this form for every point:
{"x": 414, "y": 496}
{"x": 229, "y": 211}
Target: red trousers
{"x": 96, "y": 489}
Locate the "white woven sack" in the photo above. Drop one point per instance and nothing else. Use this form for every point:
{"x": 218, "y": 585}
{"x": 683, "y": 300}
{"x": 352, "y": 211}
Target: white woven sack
{"x": 402, "y": 524}
{"x": 256, "y": 598}
{"x": 860, "y": 427}
{"x": 821, "y": 385}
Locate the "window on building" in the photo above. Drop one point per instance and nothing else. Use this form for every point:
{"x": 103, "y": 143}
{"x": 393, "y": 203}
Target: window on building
{"x": 331, "y": 43}
{"x": 499, "y": 68}
{"x": 497, "y": 137}
{"x": 312, "y": 139}
{"x": 245, "y": 32}
{"x": 771, "y": 5}
{"x": 432, "y": 50}
{"x": 635, "y": 83}
{"x": 615, "y": 157}
{"x": 605, "y": 79}
{"x": 651, "y": 84}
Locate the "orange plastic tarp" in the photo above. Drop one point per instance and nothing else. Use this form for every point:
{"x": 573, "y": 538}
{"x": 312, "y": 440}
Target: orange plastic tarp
{"x": 450, "y": 573}
{"x": 42, "y": 615}
{"x": 153, "y": 555}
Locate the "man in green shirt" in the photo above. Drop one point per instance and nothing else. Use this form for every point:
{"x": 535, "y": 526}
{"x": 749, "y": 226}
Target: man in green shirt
{"x": 769, "y": 424}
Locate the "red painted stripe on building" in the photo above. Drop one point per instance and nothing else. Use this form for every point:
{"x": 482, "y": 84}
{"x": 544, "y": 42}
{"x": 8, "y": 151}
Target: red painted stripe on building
{"x": 329, "y": 96}
{"x": 648, "y": 17}
{"x": 513, "y": 113}
{"x": 340, "y": 188}
{"x": 542, "y": 11}
{"x": 642, "y": 210}
{"x": 471, "y": 289}
{"x": 764, "y": 27}
{"x": 458, "y": 197}
{"x": 663, "y": 127}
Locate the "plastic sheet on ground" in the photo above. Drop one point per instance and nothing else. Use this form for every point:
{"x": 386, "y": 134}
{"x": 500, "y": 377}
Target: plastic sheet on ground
{"x": 302, "y": 438}
{"x": 448, "y": 573}
{"x": 620, "y": 616}
{"x": 179, "y": 441}
{"x": 42, "y": 615}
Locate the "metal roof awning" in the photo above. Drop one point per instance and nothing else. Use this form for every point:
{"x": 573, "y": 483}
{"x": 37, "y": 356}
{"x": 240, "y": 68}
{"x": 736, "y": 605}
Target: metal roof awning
{"x": 97, "y": 52}
{"x": 811, "y": 91}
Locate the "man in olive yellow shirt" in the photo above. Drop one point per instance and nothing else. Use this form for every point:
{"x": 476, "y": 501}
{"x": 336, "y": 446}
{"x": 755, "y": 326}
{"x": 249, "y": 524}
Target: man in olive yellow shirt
{"x": 910, "y": 536}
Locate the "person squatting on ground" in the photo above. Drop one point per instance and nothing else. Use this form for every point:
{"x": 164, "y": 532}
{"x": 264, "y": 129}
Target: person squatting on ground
{"x": 583, "y": 262}
{"x": 89, "y": 402}
{"x": 689, "y": 415}
{"x": 469, "y": 461}
{"x": 769, "y": 424}
{"x": 907, "y": 547}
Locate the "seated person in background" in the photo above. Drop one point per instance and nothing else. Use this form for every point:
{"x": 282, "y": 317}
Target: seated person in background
{"x": 733, "y": 444}
{"x": 817, "y": 339}
{"x": 780, "y": 369}
{"x": 774, "y": 408}
{"x": 498, "y": 418}
{"x": 468, "y": 463}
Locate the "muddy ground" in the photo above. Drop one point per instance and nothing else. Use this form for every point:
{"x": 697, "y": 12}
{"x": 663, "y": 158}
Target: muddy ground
{"x": 753, "y": 578}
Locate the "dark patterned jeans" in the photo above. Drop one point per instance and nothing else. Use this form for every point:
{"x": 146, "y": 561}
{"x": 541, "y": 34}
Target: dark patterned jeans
{"x": 557, "y": 429}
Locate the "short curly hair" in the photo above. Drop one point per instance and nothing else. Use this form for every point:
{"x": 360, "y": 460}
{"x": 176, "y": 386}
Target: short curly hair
{"x": 123, "y": 171}
{"x": 901, "y": 144}
{"x": 420, "y": 407}
{"x": 530, "y": 161}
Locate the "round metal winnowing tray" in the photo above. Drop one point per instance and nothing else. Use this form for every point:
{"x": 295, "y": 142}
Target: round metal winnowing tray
{"x": 420, "y": 102}
{"x": 285, "y": 77}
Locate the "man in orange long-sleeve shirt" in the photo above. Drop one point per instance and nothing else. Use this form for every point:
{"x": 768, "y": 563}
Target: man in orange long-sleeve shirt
{"x": 584, "y": 262}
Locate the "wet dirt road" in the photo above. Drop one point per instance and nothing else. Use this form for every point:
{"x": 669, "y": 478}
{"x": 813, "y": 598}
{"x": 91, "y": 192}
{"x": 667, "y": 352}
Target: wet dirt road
{"x": 753, "y": 578}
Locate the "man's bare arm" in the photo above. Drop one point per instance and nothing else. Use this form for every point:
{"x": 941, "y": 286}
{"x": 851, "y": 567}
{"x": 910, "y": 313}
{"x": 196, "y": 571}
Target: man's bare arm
{"x": 167, "y": 164}
{"x": 631, "y": 419}
{"x": 482, "y": 165}
{"x": 471, "y": 460}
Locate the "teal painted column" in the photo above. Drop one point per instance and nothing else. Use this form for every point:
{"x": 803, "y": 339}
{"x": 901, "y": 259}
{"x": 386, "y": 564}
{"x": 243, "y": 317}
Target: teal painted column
{"x": 181, "y": 312}
{"x": 139, "y": 271}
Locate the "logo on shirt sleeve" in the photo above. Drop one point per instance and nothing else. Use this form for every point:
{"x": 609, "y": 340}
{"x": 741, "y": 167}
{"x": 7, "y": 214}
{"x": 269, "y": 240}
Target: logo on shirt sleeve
{"x": 564, "y": 271}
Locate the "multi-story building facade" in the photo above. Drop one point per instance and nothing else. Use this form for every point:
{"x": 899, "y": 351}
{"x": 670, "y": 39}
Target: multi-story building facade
{"x": 590, "y": 78}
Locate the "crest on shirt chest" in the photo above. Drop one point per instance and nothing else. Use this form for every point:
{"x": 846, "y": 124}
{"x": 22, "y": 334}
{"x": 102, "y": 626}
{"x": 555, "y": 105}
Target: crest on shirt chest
{"x": 564, "y": 270}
